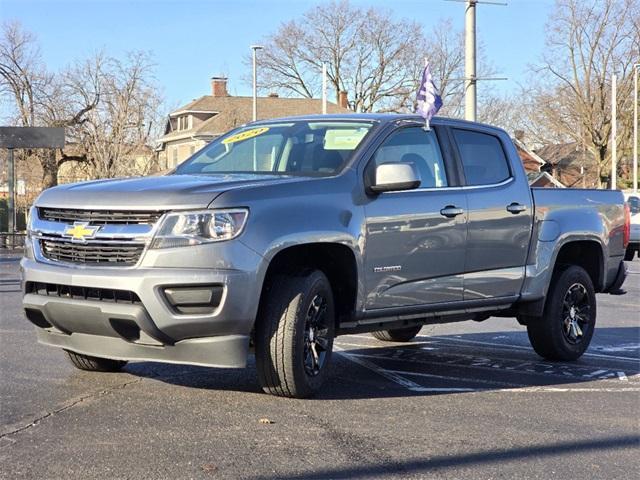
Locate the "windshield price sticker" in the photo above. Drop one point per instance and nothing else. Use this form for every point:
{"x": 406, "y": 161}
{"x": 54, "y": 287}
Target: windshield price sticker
{"x": 239, "y": 137}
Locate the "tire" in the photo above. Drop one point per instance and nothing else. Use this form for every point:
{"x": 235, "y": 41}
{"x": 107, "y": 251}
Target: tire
{"x": 567, "y": 324}
{"x": 629, "y": 254}
{"x": 397, "y": 334}
{"x": 95, "y": 364}
{"x": 294, "y": 335}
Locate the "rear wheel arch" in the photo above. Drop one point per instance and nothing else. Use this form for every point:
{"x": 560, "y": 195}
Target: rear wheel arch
{"x": 587, "y": 254}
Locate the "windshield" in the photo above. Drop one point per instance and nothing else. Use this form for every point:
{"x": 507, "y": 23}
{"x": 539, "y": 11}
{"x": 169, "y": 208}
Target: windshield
{"x": 315, "y": 148}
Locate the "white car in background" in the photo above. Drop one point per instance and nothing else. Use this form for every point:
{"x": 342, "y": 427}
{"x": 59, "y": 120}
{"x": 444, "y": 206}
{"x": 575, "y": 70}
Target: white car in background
{"x": 633, "y": 199}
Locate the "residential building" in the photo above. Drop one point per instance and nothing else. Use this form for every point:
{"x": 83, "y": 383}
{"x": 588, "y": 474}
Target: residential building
{"x": 570, "y": 164}
{"x": 195, "y": 124}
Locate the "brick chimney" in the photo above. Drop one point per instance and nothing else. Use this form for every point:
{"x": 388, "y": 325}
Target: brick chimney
{"x": 219, "y": 87}
{"x": 343, "y": 100}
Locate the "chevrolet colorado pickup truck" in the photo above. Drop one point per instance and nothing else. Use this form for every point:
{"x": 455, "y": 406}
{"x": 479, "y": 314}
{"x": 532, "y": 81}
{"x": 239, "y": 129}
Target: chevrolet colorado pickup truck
{"x": 282, "y": 234}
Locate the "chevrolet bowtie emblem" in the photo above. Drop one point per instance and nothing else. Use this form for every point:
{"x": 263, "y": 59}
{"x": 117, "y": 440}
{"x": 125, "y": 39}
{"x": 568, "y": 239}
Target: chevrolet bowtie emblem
{"x": 80, "y": 231}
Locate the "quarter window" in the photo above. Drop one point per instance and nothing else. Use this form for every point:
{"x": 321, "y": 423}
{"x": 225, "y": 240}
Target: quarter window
{"x": 419, "y": 147}
{"x": 483, "y": 158}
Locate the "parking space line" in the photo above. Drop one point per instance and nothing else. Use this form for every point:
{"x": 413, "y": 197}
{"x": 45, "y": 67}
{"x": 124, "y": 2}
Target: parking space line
{"x": 520, "y": 347}
{"x": 442, "y": 377}
{"x": 525, "y": 389}
{"x": 482, "y": 364}
{"x": 404, "y": 382}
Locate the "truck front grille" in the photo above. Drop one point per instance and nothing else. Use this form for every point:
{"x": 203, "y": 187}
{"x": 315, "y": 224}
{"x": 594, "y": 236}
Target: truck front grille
{"x": 99, "y": 217}
{"x": 94, "y": 252}
{"x": 82, "y": 293}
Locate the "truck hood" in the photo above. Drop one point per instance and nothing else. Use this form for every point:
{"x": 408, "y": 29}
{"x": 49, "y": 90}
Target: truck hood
{"x": 152, "y": 193}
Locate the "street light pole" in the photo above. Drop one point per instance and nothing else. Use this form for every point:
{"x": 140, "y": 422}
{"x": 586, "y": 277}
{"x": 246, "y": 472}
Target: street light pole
{"x": 324, "y": 88}
{"x": 11, "y": 180}
{"x": 614, "y": 130}
{"x": 470, "y": 103}
{"x": 636, "y": 67}
{"x": 255, "y": 48}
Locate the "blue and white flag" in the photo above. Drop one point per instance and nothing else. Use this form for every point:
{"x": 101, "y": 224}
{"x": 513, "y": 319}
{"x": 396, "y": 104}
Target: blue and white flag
{"x": 429, "y": 100}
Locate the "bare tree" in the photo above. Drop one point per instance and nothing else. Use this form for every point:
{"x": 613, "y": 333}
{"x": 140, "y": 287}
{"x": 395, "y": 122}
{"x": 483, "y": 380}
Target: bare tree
{"x": 587, "y": 41}
{"x": 368, "y": 54}
{"x": 108, "y": 106}
{"x": 374, "y": 57}
{"x": 22, "y": 73}
{"x": 116, "y": 135}
{"x": 38, "y": 98}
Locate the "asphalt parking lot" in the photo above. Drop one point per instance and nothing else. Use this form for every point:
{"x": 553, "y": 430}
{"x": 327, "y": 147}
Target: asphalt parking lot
{"x": 465, "y": 400}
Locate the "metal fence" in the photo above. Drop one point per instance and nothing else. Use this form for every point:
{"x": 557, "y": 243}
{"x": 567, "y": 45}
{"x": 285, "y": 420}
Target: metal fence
{"x": 12, "y": 241}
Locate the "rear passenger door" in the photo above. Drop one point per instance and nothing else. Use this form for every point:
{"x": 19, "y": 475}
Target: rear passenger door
{"x": 499, "y": 214}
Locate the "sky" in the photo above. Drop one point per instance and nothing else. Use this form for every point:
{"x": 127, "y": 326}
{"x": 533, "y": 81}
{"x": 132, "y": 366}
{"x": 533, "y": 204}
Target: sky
{"x": 193, "y": 40}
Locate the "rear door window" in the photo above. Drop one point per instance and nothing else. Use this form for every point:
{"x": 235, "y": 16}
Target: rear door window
{"x": 483, "y": 158}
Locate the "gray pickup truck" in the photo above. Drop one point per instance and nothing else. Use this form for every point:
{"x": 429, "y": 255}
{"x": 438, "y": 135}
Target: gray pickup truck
{"x": 283, "y": 234}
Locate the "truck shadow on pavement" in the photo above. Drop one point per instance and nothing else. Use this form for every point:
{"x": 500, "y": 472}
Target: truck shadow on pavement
{"x": 442, "y": 364}
{"x": 470, "y": 460}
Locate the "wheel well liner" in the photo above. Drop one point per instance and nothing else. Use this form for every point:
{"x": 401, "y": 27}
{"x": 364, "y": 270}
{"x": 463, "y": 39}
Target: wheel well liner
{"x": 335, "y": 260}
{"x": 586, "y": 254}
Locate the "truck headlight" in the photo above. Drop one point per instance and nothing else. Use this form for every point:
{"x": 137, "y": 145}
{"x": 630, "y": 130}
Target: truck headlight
{"x": 180, "y": 229}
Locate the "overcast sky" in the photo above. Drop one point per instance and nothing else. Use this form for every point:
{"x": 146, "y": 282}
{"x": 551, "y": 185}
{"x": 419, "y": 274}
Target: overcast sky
{"x": 191, "y": 40}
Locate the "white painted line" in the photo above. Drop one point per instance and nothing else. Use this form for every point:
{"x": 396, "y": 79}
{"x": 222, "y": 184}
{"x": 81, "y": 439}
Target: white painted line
{"x": 488, "y": 364}
{"x": 622, "y": 376}
{"x": 457, "y": 379}
{"x": 389, "y": 345}
{"x": 520, "y": 389}
{"x": 577, "y": 389}
{"x": 405, "y": 382}
{"x": 520, "y": 347}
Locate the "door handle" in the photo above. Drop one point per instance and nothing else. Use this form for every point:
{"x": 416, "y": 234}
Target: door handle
{"x": 451, "y": 211}
{"x": 516, "y": 208}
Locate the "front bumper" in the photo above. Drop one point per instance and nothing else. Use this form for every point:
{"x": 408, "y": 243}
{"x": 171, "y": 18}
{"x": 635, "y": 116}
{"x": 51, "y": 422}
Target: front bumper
{"x": 150, "y": 329}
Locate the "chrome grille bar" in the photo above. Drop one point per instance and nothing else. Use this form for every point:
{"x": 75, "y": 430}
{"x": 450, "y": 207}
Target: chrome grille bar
{"x": 99, "y": 217}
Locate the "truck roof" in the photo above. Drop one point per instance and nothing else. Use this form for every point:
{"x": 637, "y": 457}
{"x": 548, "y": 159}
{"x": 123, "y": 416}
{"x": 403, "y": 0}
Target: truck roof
{"x": 376, "y": 117}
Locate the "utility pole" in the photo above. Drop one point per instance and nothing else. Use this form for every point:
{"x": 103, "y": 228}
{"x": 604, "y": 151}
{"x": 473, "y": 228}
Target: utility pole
{"x": 255, "y": 48}
{"x": 470, "y": 101}
{"x": 614, "y": 130}
{"x": 470, "y": 76}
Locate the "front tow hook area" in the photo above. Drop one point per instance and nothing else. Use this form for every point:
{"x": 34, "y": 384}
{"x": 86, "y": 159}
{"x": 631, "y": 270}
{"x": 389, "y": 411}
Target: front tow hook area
{"x": 127, "y": 321}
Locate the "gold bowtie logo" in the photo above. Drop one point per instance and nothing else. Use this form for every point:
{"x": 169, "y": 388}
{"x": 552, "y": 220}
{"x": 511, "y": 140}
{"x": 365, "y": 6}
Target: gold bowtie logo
{"x": 81, "y": 231}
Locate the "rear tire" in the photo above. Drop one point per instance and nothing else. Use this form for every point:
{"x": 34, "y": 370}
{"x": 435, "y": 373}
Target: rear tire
{"x": 294, "y": 335}
{"x": 567, "y": 324}
{"x": 397, "y": 334}
{"x": 629, "y": 254}
{"x": 95, "y": 364}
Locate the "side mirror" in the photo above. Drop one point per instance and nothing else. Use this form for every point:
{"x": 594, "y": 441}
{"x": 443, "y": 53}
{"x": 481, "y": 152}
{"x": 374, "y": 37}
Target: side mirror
{"x": 395, "y": 176}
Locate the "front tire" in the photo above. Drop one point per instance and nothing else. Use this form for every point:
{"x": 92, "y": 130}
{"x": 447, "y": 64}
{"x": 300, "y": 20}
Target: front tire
{"x": 94, "y": 364}
{"x": 294, "y": 335}
{"x": 567, "y": 324}
{"x": 397, "y": 334}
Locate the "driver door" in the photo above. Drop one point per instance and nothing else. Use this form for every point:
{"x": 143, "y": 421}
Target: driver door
{"x": 415, "y": 239}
